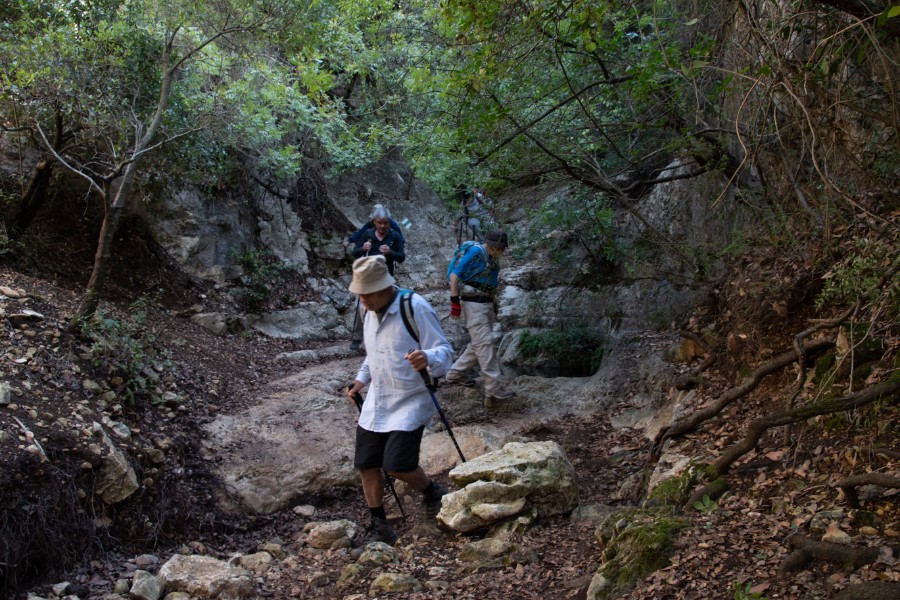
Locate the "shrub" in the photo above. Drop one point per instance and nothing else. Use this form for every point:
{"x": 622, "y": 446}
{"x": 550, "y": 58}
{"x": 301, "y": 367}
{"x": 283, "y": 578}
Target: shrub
{"x": 576, "y": 351}
{"x": 261, "y": 269}
{"x": 126, "y": 350}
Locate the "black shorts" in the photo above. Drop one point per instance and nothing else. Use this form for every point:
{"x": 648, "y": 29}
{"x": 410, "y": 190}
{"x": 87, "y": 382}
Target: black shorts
{"x": 394, "y": 451}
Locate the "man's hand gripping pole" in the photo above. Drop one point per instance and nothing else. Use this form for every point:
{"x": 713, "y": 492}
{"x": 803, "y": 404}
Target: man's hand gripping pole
{"x": 432, "y": 387}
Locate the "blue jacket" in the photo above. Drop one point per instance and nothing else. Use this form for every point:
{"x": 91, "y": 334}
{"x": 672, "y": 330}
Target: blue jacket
{"x": 477, "y": 268}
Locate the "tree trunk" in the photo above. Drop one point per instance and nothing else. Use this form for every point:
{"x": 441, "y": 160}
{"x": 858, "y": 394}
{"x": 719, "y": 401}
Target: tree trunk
{"x": 114, "y": 206}
{"x": 36, "y": 193}
{"x": 32, "y": 200}
{"x": 112, "y": 213}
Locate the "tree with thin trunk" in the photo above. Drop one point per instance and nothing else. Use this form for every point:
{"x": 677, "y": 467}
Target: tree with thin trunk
{"x": 115, "y": 187}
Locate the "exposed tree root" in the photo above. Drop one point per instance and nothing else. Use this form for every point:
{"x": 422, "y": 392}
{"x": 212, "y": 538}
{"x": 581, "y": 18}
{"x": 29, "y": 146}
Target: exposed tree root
{"x": 806, "y": 549}
{"x": 690, "y": 422}
{"x": 887, "y": 391}
{"x": 801, "y": 355}
{"x": 871, "y": 590}
{"x": 849, "y": 485}
{"x": 886, "y": 452}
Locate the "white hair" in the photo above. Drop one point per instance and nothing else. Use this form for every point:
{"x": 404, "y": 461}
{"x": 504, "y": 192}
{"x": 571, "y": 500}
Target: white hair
{"x": 379, "y": 212}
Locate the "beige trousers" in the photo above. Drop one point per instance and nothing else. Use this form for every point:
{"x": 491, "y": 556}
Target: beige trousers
{"x": 479, "y": 319}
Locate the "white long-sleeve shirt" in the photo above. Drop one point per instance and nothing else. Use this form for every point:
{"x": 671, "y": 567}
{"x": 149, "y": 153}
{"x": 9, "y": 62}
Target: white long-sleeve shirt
{"x": 397, "y": 399}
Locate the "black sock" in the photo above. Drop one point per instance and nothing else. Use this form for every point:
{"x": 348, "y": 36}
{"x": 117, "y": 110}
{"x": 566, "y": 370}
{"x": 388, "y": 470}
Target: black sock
{"x": 378, "y": 513}
{"x": 431, "y": 489}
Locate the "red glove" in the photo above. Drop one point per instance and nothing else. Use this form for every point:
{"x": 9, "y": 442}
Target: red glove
{"x": 455, "y": 306}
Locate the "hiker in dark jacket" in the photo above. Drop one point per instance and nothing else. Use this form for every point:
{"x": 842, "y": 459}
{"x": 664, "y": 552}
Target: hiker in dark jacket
{"x": 381, "y": 239}
{"x": 369, "y": 225}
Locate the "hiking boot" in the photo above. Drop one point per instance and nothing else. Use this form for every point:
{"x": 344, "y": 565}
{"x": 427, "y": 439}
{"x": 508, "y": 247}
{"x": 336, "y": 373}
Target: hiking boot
{"x": 432, "y": 502}
{"x": 355, "y": 344}
{"x": 463, "y": 380}
{"x": 380, "y": 531}
{"x": 501, "y": 395}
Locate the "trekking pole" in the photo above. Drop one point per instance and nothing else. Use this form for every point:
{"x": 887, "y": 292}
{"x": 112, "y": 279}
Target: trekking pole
{"x": 356, "y": 314}
{"x": 355, "y": 317}
{"x": 358, "y": 401}
{"x": 429, "y": 383}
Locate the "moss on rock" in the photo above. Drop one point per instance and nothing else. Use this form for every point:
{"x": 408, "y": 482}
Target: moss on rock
{"x": 633, "y": 552}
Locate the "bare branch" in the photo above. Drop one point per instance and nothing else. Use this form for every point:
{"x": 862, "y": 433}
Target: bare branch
{"x": 93, "y": 185}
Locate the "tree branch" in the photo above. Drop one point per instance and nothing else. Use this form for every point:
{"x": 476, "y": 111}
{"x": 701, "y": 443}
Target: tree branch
{"x": 690, "y": 422}
{"x": 883, "y": 391}
{"x": 91, "y": 183}
{"x": 521, "y": 129}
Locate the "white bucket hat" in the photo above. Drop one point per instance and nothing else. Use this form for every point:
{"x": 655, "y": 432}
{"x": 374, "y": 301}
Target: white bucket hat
{"x": 370, "y": 275}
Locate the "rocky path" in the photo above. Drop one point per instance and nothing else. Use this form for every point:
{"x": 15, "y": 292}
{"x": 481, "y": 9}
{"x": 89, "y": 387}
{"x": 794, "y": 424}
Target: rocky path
{"x": 296, "y": 437}
{"x": 288, "y": 455}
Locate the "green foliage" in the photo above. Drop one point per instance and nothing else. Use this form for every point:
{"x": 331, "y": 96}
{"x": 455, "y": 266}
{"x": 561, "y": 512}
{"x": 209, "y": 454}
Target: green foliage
{"x": 859, "y": 277}
{"x": 579, "y": 224}
{"x": 127, "y": 350}
{"x": 588, "y": 217}
{"x": 582, "y": 89}
{"x": 261, "y": 270}
{"x": 706, "y": 505}
{"x": 579, "y": 349}
{"x": 885, "y": 162}
{"x": 265, "y": 92}
{"x": 743, "y": 592}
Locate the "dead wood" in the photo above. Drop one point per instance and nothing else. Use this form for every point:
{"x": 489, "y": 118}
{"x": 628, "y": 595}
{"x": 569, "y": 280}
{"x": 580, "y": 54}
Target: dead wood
{"x": 795, "y": 561}
{"x": 691, "y": 380}
{"x": 886, "y": 452}
{"x": 887, "y": 390}
{"x": 690, "y": 422}
{"x": 849, "y": 485}
{"x": 871, "y": 590}
{"x": 808, "y": 548}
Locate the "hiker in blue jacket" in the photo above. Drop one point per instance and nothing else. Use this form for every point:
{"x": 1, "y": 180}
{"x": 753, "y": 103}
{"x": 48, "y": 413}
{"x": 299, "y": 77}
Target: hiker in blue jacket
{"x": 473, "y": 288}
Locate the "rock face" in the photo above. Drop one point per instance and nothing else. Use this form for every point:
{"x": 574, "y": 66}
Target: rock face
{"x": 299, "y": 437}
{"x": 307, "y": 322}
{"x": 206, "y": 235}
{"x": 500, "y": 484}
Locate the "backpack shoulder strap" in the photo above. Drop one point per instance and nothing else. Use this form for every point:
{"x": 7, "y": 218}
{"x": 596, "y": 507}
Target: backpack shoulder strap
{"x": 484, "y": 253}
{"x": 408, "y": 314}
